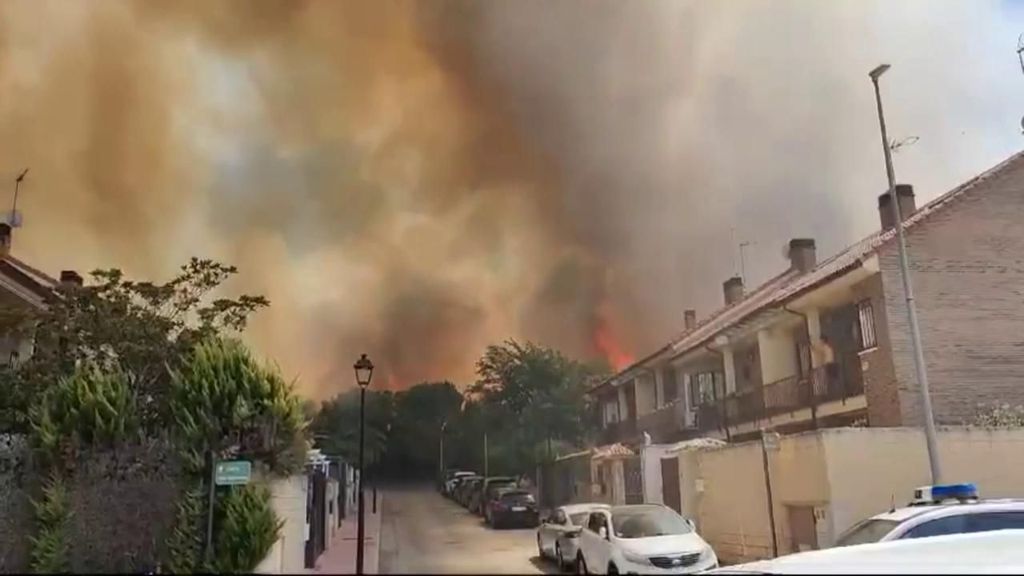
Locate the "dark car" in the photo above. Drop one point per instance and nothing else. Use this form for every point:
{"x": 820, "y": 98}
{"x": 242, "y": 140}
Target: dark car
{"x": 488, "y": 489}
{"x": 512, "y": 507}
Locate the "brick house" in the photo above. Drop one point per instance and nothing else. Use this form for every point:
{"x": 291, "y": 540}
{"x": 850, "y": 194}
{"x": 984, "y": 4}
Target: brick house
{"x": 826, "y": 343}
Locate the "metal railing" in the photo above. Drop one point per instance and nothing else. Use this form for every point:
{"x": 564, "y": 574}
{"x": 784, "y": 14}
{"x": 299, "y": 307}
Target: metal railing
{"x": 824, "y": 384}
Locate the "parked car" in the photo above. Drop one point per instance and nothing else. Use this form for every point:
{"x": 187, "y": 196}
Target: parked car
{"x": 512, "y": 507}
{"x": 467, "y": 488}
{"x": 487, "y": 490}
{"x": 642, "y": 539}
{"x": 452, "y": 480}
{"x": 936, "y": 511}
{"x": 558, "y": 533}
{"x": 994, "y": 552}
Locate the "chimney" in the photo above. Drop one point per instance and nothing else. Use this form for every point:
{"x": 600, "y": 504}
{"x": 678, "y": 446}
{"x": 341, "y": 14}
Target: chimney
{"x": 5, "y": 239}
{"x": 905, "y": 195}
{"x": 70, "y": 278}
{"x": 690, "y": 319}
{"x": 733, "y": 290}
{"x": 801, "y": 254}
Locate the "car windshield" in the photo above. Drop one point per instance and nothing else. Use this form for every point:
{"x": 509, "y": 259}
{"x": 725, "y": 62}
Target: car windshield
{"x": 579, "y": 518}
{"x": 646, "y": 522}
{"x": 866, "y": 532}
{"x": 517, "y": 497}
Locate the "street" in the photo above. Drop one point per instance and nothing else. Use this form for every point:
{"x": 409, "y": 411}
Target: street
{"x": 423, "y": 532}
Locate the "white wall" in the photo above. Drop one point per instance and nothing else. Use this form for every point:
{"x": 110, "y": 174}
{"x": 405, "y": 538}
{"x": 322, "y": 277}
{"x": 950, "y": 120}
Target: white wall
{"x": 778, "y": 354}
{"x": 288, "y": 555}
{"x": 650, "y": 462}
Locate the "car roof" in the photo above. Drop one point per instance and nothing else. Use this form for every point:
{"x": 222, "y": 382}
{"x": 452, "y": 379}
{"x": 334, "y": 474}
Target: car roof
{"x": 584, "y": 507}
{"x": 938, "y": 510}
{"x": 464, "y": 473}
{"x": 637, "y": 508}
{"x": 992, "y": 552}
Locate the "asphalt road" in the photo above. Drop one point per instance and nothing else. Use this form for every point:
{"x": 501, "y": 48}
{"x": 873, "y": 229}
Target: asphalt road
{"x": 423, "y": 532}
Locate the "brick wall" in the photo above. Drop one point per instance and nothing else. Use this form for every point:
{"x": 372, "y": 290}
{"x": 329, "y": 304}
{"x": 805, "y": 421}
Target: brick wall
{"x": 967, "y": 268}
{"x": 880, "y": 389}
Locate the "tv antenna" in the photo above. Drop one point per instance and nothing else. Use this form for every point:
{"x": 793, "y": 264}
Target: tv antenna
{"x": 1020, "y": 51}
{"x": 743, "y": 260}
{"x": 14, "y": 219}
{"x": 895, "y": 145}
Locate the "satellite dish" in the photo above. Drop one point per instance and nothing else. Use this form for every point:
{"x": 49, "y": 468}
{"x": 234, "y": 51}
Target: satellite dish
{"x": 895, "y": 145}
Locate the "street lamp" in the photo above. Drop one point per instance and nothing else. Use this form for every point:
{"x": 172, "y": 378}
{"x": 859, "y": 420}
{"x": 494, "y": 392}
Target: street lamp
{"x": 915, "y": 332}
{"x": 440, "y": 457}
{"x": 364, "y": 372}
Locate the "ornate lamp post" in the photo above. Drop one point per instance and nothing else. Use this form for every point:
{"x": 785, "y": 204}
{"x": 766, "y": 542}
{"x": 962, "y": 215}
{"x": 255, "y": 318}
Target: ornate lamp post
{"x": 364, "y": 372}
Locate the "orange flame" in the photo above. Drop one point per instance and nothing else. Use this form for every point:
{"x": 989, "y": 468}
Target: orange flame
{"x": 609, "y": 347}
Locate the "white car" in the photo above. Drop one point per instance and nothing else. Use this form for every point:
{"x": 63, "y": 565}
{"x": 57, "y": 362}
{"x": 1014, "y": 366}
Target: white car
{"x": 996, "y": 552}
{"x": 453, "y": 479}
{"x": 937, "y": 511}
{"x": 558, "y": 534}
{"x": 642, "y": 539}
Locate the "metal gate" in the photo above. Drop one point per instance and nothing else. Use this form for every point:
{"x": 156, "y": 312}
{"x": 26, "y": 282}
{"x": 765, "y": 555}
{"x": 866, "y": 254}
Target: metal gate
{"x": 316, "y": 497}
{"x": 670, "y": 483}
{"x": 634, "y": 480}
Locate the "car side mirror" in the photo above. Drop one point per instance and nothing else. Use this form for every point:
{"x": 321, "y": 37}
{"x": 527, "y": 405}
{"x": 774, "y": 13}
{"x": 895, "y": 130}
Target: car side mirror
{"x": 602, "y": 532}
{"x": 693, "y": 525}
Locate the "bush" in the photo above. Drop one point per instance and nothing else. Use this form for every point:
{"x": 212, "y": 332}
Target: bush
{"x": 186, "y": 542}
{"x": 50, "y": 546}
{"x": 246, "y": 530}
{"x": 223, "y": 400}
{"x": 1000, "y": 416}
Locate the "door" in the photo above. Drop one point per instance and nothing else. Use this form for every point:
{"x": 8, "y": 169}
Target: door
{"x": 551, "y": 530}
{"x": 670, "y": 484}
{"x": 633, "y": 480}
{"x": 803, "y": 529}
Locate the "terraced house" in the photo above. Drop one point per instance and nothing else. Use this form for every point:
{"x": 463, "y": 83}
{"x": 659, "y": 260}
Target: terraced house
{"x": 825, "y": 342}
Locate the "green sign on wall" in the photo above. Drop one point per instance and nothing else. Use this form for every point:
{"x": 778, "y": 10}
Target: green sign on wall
{"x": 233, "y": 473}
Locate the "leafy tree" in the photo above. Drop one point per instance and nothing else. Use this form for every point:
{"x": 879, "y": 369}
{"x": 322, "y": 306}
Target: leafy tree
{"x": 336, "y": 425}
{"x": 50, "y": 545}
{"x": 143, "y": 327}
{"x": 224, "y": 402}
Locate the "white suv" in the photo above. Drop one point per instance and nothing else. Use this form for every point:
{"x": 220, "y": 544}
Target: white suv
{"x": 641, "y": 539}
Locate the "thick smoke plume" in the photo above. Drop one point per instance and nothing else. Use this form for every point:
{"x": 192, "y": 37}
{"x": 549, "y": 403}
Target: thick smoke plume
{"x": 418, "y": 179}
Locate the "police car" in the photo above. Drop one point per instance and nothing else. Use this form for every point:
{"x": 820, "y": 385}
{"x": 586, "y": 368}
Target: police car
{"x": 935, "y": 511}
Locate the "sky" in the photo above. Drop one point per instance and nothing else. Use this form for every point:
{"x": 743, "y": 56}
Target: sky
{"x": 417, "y": 180}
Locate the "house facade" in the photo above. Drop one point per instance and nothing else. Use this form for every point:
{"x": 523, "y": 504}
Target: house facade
{"x": 22, "y": 288}
{"x": 825, "y": 343}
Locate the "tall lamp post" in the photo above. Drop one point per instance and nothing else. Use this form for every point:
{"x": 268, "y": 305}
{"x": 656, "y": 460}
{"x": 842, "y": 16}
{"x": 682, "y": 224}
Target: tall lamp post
{"x": 364, "y": 372}
{"x": 908, "y": 291}
{"x": 440, "y": 449}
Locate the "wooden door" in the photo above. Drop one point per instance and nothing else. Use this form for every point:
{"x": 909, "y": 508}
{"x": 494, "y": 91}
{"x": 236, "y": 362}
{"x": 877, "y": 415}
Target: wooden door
{"x": 802, "y": 528}
{"x": 670, "y": 493}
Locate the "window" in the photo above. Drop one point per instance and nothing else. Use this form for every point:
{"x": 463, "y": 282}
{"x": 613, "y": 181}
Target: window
{"x": 669, "y": 384}
{"x": 995, "y": 521}
{"x": 596, "y": 522}
{"x": 706, "y": 388}
{"x": 938, "y": 527}
{"x": 866, "y": 532}
{"x": 866, "y": 325}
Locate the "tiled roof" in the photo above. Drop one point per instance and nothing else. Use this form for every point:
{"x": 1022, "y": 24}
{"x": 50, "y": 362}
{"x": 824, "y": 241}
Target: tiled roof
{"x": 37, "y": 275}
{"x": 789, "y": 284}
{"x": 616, "y": 450}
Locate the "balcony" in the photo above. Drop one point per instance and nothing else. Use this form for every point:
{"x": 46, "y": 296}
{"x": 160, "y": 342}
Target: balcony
{"x": 780, "y": 397}
{"x": 664, "y": 424}
{"x": 613, "y": 432}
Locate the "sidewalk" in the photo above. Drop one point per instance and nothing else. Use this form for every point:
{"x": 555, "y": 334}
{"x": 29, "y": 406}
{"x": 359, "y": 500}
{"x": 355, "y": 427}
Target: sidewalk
{"x": 340, "y": 557}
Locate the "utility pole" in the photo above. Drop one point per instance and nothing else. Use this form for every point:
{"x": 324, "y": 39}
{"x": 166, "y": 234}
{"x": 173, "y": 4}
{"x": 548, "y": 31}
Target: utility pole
{"x": 485, "y": 455}
{"x": 908, "y": 291}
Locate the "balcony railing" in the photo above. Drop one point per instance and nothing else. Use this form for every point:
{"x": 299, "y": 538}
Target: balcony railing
{"x": 618, "y": 432}
{"x": 825, "y": 384}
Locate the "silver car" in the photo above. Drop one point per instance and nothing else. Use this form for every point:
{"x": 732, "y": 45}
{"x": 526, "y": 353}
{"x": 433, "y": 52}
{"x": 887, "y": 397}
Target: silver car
{"x": 558, "y": 534}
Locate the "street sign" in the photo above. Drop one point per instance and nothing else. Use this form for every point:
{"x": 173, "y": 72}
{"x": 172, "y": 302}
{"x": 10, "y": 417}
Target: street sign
{"x": 235, "y": 473}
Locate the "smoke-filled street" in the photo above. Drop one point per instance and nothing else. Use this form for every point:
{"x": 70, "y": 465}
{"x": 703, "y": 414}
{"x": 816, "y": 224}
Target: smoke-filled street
{"x": 422, "y": 532}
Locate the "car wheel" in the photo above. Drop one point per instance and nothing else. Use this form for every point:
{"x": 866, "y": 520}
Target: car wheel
{"x": 581, "y": 564}
{"x": 540, "y": 548}
{"x": 559, "y": 561}
{"x": 612, "y": 569}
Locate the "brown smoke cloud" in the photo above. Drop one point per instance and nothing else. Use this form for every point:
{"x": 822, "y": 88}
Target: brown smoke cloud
{"x": 418, "y": 179}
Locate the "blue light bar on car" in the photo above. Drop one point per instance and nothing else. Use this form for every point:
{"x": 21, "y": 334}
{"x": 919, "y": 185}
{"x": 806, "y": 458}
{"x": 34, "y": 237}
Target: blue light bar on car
{"x": 941, "y": 492}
